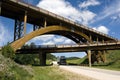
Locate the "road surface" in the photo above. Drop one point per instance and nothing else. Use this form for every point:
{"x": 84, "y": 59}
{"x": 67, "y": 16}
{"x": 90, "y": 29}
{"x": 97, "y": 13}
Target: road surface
{"x": 97, "y": 74}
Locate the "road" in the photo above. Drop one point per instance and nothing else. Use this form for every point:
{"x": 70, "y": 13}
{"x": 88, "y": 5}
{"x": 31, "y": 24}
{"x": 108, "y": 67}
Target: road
{"x": 97, "y": 74}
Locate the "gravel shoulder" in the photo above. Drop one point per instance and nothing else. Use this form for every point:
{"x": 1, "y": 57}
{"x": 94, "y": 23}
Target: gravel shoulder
{"x": 93, "y": 73}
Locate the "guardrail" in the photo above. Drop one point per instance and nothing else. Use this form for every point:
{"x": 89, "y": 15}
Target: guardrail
{"x": 73, "y": 45}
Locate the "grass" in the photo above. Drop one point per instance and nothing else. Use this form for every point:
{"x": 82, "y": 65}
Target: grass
{"x": 113, "y": 61}
{"x": 73, "y": 61}
{"x": 54, "y": 73}
{"x": 47, "y": 73}
{"x": 9, "y": 70}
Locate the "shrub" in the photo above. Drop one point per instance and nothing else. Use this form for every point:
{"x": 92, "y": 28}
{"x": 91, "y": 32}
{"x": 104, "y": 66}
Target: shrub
{"x": 8, "y": 52}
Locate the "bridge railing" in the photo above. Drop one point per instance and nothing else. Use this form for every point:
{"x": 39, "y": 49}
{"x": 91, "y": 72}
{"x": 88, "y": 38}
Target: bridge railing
{"x": 71, "y": 45}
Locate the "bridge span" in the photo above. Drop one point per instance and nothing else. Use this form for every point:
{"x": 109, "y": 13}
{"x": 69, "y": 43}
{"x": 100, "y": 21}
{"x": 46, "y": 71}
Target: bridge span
{"x": 94, "y": 49}
{"x": 69, "y": 48}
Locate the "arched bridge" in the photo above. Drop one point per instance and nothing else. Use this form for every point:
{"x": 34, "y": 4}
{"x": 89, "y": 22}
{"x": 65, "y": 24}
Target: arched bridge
{"x": 45, "y": 22}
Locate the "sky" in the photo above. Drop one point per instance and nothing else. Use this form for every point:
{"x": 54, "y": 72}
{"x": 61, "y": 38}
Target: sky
{"x": 101, "y": 15}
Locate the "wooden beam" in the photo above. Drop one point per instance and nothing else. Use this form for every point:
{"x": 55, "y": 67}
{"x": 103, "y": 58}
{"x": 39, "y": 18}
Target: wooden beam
{"x": 25, "y": 21}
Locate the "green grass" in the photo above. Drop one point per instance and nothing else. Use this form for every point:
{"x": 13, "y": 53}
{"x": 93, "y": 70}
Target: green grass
{"x": 76, "y": 61}
{"x": 47, "y": 73}
{"x": 9, "y": 70}
{"x": 54, "y": 73}
{"x": 113, "y": 61}
{"x": 73, "y": 61}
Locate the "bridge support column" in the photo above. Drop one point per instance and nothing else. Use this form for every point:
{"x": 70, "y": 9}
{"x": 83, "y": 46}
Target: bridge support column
{"x": 18, "y": 29}
{"x": 25, "y": 20}
{"x": 89, "y": 57}
{"x": 45, "y": 23}
{"x": 42, "y": 57}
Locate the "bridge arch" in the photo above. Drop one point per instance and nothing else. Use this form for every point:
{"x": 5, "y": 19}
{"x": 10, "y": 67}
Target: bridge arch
{"x": 47, "y": 30}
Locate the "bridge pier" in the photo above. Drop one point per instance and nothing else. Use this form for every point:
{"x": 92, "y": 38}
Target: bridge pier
{"x": 99, "y": 56}
{"x": 42, "y": 57}
{"x": 89, "y": 57}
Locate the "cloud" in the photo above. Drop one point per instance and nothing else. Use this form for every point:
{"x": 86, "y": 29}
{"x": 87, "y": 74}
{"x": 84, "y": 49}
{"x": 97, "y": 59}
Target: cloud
{"x": 48, "y": 43}
{"x": 116, "y": 18}
{"x": 58, "y": 39}
{"x": 64, "y": 8}
{"x": 44, "y": 38}
{"x": 102, "y": 29}
{"x": 4, "y": 35}
{"x": 68, "y": 41}
{"x": 111, "y": 10}
{"x": 88, "y": 3}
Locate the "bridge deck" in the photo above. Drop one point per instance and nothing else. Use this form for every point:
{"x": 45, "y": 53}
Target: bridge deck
{"x": 71, "y": 48}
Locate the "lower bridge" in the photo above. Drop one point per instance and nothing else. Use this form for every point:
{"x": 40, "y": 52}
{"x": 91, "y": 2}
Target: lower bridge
{"x": 99, "y": 49}
{"x": 69, "y": 48}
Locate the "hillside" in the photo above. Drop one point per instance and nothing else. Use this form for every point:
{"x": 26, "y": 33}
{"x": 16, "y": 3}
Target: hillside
{"x": 9, "y": 70}
{"x": 113, "y": 61}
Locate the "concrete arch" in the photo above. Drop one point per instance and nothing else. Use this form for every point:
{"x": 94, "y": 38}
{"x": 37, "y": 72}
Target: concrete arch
{"x": 20, "y": 42}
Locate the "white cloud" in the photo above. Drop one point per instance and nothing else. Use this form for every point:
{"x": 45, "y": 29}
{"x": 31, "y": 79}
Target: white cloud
{"x": 4, "y": 35}
{"x": 102, "y": 29}
{"x": 68, "y": 41}
{"x": 64, "y": 8}
{"x": 111, "y": 10}
{"x": 88, "y": 3}
{"x": 44, "y": 38}
{"x": 58, "y": 40}
{"x": 48, "y": 43}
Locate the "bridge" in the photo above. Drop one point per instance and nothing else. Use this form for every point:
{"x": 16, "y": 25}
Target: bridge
{"x": 45, "y": 22}
{"x": 69, "y": 48}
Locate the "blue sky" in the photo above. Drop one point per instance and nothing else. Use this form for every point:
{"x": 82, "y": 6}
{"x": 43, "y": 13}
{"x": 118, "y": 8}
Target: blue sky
{"x": 101, "y": 15}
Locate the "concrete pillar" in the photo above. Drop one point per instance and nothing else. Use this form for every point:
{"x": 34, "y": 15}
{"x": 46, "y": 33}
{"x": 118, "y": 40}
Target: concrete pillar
{"x": 25, "y": 21}
{"x": 89, "y": 57}
{"x": 42, "y": 57}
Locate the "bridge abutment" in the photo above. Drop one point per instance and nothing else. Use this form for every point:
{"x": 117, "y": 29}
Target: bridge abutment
{"x": 42, "y": 57}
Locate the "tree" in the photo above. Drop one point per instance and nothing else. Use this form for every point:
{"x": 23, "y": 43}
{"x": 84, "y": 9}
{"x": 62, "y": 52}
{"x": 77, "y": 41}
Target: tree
{"x": 8, "y": 52}
{"x": 28, "y": 58}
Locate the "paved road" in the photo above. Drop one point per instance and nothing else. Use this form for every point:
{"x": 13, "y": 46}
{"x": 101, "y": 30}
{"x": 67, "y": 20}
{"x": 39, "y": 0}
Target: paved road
{"x": 98, "y": 74}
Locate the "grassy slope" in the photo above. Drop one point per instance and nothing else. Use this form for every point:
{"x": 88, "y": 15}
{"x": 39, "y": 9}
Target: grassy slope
{"x": 113, "y": 60}
{"x": 9, "y": 70}
{"x": 76, "y": 60}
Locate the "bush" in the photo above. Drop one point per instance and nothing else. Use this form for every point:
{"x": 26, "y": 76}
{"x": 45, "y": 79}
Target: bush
{"x": 8, "y": 52}
{"x": 9, "y": 70}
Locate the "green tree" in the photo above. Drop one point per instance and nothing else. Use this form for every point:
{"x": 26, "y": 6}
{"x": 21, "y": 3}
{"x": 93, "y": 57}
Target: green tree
{"x": 8, "y": 52}
{"x": 28, "y": 58}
